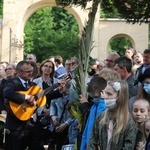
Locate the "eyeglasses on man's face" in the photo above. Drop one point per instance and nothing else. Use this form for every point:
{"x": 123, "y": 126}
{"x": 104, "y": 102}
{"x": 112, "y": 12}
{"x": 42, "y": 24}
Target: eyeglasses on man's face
{"x": 8, "y": 69}
{"x": 108, "y": 60}
{"x": 68, "y": 64}
{"x": 30, "y": 71}
{"x": 29, "y": 58}
{"x": 146, "y": 82}
{"x": 146, "y": 56}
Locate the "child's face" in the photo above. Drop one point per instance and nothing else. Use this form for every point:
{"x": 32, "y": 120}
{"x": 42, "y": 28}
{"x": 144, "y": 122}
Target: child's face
{"x": 147, "y": 128}
{"x": 110, "y": 93}
{"x": 140, "y": 110}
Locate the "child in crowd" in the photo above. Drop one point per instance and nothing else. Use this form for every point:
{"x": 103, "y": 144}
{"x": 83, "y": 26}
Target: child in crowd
{"x": 141, "y": 108}
{"x": 114, "y": 129}
{"x": 73, "y": 129}
{"x": 145, "y": 143}
{"x": 147, "y": 133}
{"x": 74, "y": 126}
{"x": 91, "y": 109}
{"x": 148, "y": 143}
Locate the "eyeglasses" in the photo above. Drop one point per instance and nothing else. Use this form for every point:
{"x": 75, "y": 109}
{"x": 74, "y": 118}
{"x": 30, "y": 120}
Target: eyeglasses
{"x": 69, "y": 64}
{"x": 147, "y": 57}
{"x": 30, "y": 71}
{"x": 73, "y": 63}
{"x": 108, "y": 60}
{"x": 28, "y": 58}
{"x": 146, "y": 82}
{"x": 8, "y": 69}
{"x": 46, "y": 66}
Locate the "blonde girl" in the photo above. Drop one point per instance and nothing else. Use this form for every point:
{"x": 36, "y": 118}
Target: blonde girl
{"x": 147, "y": 133}
{"x": 114, "y": 129}
{"x": 141, "y": 108}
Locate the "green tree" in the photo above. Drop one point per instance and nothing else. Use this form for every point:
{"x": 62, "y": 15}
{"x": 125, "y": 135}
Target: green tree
{"x": 105, "y": 6}
{"x": 126, "y": 8}
{"x": 135, "y": 11}
{"x": 62, "y": 19}
{"x": 1, "y": 9}
{"x": 119, "y": 45}
{"x": 51, "y": 31}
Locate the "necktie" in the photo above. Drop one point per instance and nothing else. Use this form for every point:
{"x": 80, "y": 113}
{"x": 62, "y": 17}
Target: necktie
{"x": 26, "y": 84}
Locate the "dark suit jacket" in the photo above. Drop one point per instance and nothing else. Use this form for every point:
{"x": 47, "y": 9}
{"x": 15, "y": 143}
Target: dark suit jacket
{"x": 2, "y": 85}
{"x": 10, "y": 94}
{"x": 133, "y": 89}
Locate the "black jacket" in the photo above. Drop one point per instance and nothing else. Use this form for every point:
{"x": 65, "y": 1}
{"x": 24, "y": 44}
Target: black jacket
{"x": 10, "y": 94}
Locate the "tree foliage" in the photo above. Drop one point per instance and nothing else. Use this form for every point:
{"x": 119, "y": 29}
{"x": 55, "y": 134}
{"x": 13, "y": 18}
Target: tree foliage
{"x": 86, "y": 39}
{"x": 1, "y": 8}
{"x": 86, "y": 45}
{"x": 136, "y": 11}
{"x": 119, "y": 45}
{"x": 51, "y": 31}
{"x": 107, "y": 10}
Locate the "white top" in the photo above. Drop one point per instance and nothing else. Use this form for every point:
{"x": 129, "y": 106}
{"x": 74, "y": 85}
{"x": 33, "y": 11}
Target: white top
{"x": 109, "y": 132}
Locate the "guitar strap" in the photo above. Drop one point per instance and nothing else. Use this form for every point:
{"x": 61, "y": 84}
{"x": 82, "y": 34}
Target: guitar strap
{"x": 44, "y": 85}
{"x": 64, "y": 108}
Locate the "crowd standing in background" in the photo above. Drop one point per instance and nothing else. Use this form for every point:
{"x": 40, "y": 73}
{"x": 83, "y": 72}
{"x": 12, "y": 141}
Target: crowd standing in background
{"x": 36, "y": 101}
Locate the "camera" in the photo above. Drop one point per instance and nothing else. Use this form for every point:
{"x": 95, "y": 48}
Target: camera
{"x": 44, "y": 121}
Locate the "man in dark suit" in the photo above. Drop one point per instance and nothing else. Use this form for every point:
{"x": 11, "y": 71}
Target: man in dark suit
{"x": 17, "y": 131}
{"x": 21, "y": 134}
{"x": 123, "y": 65}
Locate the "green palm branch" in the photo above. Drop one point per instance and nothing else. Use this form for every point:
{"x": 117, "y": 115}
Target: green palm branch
{"x": 86, "y": 45}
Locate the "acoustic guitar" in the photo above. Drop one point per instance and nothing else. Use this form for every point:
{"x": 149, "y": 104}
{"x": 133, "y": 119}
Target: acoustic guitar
{"x": 25, "y": 111}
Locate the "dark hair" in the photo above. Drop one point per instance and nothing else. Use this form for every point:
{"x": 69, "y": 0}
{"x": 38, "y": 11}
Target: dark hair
{"x": 21, "y": 63}
{"x": 147, "y": 143}
{"x": 146, "y": 51}
{"x": 35, "y": 69}
{"x": 124, "y": 62}
{"x": 69, "y": 58}
{"x": 96, "y": 85}
{"x": 59, "y": 59}
{"x": 142, "y": 93}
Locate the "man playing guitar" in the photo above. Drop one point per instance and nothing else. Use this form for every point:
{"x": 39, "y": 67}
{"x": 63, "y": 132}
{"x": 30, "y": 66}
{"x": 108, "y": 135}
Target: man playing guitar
{"x": 21, "y": 134}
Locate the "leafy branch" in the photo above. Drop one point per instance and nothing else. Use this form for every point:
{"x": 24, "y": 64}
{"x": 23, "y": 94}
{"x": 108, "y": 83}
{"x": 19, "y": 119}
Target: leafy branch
{"x": 86, "y": 45}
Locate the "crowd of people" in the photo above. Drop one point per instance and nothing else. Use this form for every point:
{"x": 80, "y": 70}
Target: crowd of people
{"x": 36, "y": 101}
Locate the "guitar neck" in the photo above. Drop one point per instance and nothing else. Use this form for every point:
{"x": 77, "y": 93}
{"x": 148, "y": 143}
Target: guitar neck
{"x": 46, "y": 91}
{"x": 66, "y": 76}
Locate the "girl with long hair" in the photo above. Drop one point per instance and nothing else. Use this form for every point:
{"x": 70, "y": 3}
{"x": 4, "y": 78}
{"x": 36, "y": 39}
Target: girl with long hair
{"x": 114, "y": 129}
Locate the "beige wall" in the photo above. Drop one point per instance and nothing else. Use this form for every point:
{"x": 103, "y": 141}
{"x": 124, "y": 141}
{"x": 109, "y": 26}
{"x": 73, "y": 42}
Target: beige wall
{"x": 0, "y": 36}
{"x": 111, "y": 28}
{"x": 17, "y": 12}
